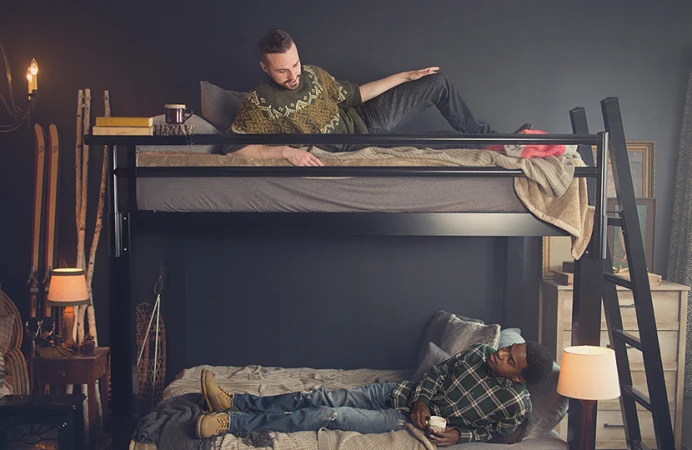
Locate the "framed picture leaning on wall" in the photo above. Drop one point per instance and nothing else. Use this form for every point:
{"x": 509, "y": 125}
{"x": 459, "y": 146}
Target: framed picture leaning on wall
{"x": 642, "y": 156}
{"x": 646, "y": 209}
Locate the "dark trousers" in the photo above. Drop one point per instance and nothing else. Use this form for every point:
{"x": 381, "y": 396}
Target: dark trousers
{"x": 384, "y": 112}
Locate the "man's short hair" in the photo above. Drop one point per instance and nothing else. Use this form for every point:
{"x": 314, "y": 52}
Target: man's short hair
{"x": 276, "y": 41}
{"x": 539, "y": 362}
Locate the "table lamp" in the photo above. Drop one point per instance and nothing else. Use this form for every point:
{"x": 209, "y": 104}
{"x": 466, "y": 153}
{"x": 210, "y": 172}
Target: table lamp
{"x": 588, "y": 374}
{"x": 68, "y": 288}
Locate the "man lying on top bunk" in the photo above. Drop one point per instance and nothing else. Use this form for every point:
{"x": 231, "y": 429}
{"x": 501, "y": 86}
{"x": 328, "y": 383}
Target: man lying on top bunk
{"x": 481, "y": 393}
{"x": 298, "y": 99}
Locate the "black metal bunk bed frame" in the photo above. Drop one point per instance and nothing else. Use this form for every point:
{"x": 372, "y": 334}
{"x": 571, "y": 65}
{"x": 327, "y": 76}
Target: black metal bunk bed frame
{"x": 593, "y": 272}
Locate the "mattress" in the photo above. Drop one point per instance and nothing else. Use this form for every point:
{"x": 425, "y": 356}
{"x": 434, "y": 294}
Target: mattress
{"x": 297, "y": 194}
{"x": 259, "y": 380}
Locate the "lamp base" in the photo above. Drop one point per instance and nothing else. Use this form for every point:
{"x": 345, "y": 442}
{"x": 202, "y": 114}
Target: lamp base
{"x": 587, "y": 438}
{"x": 68, "y": 318}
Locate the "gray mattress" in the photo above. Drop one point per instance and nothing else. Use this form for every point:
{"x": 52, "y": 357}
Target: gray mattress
{"x": 362, "y": 194}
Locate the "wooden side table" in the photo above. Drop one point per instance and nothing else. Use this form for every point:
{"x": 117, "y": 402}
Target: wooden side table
{"x": 80, "y": 369}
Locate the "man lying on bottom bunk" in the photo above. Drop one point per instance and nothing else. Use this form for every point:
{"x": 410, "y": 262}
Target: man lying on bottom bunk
{"x": 481, "y": 393}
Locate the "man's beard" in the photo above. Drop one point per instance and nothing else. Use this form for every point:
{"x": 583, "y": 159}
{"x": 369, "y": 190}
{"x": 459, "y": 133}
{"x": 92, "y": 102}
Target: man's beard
{"x": 294, "y": 85}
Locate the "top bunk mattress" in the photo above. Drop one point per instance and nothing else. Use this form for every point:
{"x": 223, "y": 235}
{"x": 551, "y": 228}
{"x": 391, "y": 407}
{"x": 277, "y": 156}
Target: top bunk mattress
{"x": 382, "y": 194}
{"x": 328, "y": 194}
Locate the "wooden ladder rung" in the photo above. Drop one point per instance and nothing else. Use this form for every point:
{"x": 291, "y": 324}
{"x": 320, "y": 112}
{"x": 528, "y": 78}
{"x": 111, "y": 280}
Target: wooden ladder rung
{"x": 628, "y": 338}
{"x": 620, "y": 281}
{"x": 637, "y": 395}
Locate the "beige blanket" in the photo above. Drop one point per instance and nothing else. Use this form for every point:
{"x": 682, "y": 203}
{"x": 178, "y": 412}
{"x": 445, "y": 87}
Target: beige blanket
{"x": 549, "y": 189}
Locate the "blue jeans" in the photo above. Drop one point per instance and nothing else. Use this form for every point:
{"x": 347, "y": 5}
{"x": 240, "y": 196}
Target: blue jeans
{"x": 365, "y": 409}
{"x": 384, "y": 112}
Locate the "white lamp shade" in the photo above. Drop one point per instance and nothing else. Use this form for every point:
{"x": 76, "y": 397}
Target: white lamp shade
{"x": 67, "y": 288}
{"x": 588, "y": 373}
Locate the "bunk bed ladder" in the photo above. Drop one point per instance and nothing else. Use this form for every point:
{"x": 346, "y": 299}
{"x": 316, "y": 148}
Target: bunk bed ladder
{"x": 647, "y": 343}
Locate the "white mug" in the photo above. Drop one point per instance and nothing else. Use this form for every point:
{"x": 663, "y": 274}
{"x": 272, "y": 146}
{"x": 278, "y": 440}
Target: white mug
{"x": 437, "y": 423}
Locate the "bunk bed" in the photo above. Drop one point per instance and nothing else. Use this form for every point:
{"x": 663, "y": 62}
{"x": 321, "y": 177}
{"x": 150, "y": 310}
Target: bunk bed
{"x": 135, "y": 204}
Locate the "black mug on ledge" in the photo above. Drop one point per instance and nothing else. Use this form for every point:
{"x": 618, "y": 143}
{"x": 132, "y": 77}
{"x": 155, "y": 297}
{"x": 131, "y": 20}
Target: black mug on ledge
{"x": 176, "y": 114}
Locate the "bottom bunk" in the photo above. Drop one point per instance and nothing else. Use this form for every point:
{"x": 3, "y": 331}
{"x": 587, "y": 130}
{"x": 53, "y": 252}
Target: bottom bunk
{"x": 174, "y": 418}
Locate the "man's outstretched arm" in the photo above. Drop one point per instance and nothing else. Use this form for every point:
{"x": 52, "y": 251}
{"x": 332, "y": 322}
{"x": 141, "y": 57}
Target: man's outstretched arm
{"x": 295, "y": 156}
{"x": 375, "y": 88}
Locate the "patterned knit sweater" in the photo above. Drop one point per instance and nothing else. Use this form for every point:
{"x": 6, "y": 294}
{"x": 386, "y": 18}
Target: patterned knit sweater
{"x": 320, "y": 105}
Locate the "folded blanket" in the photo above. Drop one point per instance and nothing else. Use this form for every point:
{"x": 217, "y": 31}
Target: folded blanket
{"x": 549, "y": 190}
{"x": 171, "y": 425}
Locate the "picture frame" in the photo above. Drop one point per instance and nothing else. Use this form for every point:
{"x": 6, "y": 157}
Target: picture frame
{"x": 642, "y": 156}
{"x": 646, "y": 207}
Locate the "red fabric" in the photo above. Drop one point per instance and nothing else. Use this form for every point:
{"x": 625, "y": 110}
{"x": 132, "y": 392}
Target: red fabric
{"x": 533, "y": 150}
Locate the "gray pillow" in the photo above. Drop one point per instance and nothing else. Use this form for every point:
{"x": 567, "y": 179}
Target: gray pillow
{"x": 433, "y": 356}
{"x": 436, "y": 328}
{"x": 220, "y": 106}
{"x": 510, "y": 336}
{"x": 549, "y": 407}
{"x": 201, "y": 127}
{"x": 460, "y": 334}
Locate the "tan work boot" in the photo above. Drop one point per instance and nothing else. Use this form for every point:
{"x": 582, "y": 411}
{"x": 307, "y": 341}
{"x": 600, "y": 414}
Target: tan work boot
{"x": 217, "y": 399}
{"x": 209, "y": 425}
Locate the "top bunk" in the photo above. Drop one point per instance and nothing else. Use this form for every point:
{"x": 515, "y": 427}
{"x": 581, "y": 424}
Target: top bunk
{"x": 414, "y": 185}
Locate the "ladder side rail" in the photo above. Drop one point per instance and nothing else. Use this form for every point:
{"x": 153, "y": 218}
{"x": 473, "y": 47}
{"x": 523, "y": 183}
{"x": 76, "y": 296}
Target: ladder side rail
{"x": 636, "y": 260}
{"x": 586, "y": 296}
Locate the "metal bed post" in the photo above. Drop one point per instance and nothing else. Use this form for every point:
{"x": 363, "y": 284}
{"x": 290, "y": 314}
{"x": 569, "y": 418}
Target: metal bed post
{"x": 123, "y": 370}
{"x": 588, "y": 282}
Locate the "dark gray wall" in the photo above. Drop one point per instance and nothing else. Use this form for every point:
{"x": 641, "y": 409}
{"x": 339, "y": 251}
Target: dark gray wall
{"x": 516, "y": 61}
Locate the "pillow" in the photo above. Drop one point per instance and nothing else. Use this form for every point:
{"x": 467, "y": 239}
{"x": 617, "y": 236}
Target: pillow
{"x": 6, "y": 330}
{"x": 510, "y": 336}
{"x": 219, "y": 106}
{"x": 434, "y": 355}
{"x": 201, "y": 127}
{"x": 549, "y": 407}
{"x": 436, "y": 328}
{"x": 460, "y": 334}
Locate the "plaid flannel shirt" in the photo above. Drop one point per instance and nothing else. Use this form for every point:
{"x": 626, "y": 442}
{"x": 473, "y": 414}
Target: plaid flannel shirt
{"x": 462, "y": 390}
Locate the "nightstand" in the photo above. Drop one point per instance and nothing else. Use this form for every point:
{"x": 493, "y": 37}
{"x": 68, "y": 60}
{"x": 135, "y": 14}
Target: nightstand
{"x": 670, "y": 307}
{"x": 81, "y": 369}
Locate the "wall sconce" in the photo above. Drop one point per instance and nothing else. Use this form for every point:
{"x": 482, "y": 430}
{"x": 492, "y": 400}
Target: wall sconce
{"x": 18, "y": 114}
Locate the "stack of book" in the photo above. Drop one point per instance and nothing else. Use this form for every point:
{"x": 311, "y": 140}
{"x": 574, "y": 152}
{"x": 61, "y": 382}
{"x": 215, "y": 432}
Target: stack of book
{"x": 123, "y": 126}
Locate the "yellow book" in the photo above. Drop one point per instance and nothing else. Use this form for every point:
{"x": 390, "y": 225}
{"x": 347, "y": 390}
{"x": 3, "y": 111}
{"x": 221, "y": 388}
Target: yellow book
{"x": 122, "y": 131}
{"x": 124, "y": 121}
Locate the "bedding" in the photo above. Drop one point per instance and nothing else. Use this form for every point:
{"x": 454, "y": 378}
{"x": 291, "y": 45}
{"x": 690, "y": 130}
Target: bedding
{"x": 549, "y": 190}
{"x": 260, "y": 380}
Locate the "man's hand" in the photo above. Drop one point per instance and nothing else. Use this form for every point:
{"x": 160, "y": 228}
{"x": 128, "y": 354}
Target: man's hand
{"x": 445, "y": 438}
{"x": 375, "y": 88}
{"x": 414, "y": 75}
{"x": 420, "y": 415}
{"x": 299, "y": 157}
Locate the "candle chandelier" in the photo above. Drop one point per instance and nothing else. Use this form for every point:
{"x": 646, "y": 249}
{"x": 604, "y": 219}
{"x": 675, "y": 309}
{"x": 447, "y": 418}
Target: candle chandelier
{"x": 18, "y": 115}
